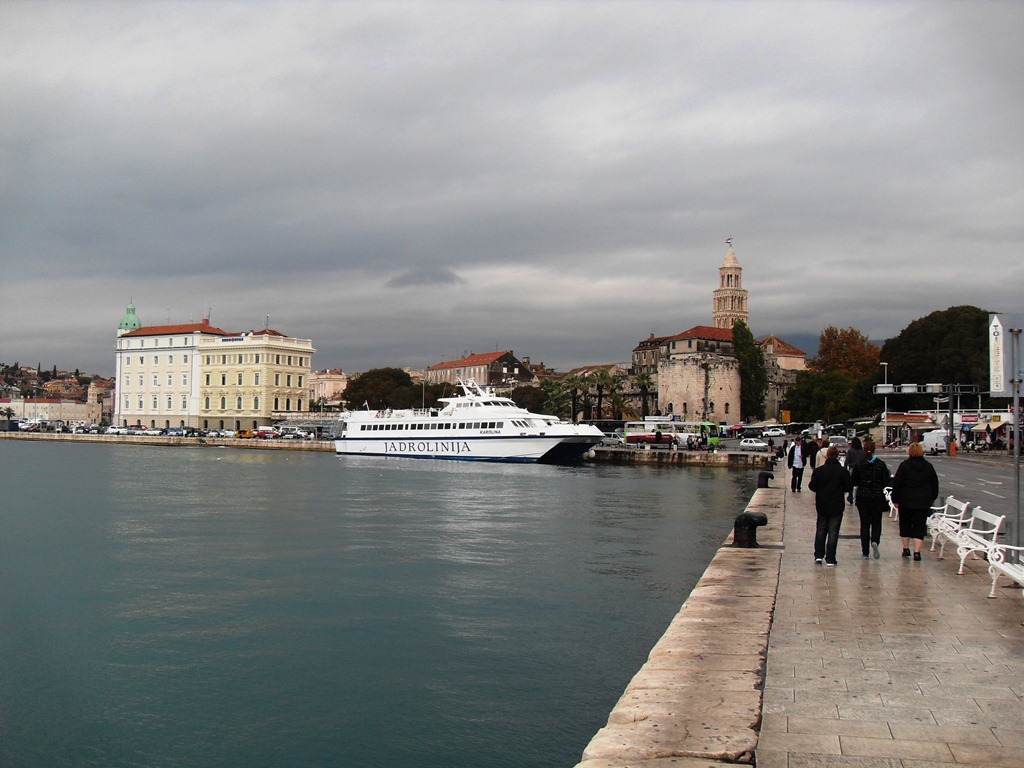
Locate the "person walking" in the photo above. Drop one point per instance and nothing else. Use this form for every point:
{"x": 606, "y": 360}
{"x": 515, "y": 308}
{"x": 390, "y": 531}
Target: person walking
{"x": 811, "y": 448}
{"x": 914, "y": 489}
{"x": 870, "y": 478}
{"x": 796, "y": 461}
{"x": 830, "y": 483}
{"x": 853, "y": 455}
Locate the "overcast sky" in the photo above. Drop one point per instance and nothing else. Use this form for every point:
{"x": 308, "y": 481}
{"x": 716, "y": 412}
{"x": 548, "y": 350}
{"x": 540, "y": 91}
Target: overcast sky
{"x": 403, "y": 183}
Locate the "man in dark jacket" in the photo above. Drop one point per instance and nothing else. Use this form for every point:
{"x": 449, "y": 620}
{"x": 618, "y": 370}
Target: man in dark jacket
{"x": 796, "y": 460}
{"x": 830, "y": 483}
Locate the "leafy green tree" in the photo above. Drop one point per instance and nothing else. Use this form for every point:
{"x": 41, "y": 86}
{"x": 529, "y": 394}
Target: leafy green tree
{"x": 817, "y": 395}
{"x": 379, "y": 388}
{"x": 753, "y": 372}
{"x": 947, "y": 347}
{"x": 531, "y": 398}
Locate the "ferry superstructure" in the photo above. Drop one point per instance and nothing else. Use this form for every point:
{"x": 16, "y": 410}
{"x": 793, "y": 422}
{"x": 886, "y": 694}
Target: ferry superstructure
{"x": 477, "y": 425}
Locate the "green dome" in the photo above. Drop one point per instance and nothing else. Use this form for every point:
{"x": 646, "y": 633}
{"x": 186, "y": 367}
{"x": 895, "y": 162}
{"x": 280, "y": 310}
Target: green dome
{"x": 129, "y": 322}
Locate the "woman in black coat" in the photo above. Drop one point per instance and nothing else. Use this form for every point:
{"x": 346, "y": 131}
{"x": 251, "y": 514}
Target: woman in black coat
{"x": 914, "y": 490}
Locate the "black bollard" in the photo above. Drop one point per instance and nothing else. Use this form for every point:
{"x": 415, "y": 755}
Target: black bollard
{"x": 744, "y": 532}
{"x": 763, "y": 478}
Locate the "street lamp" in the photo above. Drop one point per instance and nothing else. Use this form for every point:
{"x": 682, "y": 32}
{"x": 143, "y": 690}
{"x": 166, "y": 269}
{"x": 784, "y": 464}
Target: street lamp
{"x": 885, "y": 407}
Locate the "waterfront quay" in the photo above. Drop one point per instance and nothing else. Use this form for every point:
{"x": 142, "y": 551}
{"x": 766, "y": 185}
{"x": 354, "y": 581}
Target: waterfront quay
{"x": 776, "y": 661}
{"x": 728, "y": 459}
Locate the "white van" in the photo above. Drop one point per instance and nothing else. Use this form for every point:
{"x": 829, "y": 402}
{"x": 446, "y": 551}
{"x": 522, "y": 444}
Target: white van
{"x": 934, "y": 442}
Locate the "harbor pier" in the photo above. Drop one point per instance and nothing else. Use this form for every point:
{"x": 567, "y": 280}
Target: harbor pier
{"x": 776, "y": 661}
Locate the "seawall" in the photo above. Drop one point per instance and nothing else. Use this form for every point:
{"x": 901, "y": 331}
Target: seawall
{"x": 734, "y": 459}
{"x": 697, "y": 700}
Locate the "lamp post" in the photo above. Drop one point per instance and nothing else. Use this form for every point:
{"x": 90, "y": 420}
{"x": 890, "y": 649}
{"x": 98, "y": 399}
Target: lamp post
{"x": 885, "y": 407}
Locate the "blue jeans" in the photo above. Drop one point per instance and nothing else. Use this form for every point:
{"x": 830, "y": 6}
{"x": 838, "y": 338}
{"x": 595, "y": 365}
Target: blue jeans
{"x": 826, "y": 536}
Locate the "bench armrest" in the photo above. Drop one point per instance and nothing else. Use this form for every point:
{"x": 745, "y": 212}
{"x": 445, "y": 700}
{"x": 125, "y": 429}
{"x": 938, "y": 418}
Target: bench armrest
{"x": 997, "y": 553}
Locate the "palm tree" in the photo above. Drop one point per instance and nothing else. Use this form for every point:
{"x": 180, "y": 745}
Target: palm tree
{"x": 571, "y": 386}
{"x": 602, "y": 381}
{"x": 643, "y": 384}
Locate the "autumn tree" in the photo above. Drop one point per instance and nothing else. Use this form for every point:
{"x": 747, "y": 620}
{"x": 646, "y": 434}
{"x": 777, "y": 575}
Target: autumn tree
{"x": 845, "y": 351}
{"x": 753, "y": 372}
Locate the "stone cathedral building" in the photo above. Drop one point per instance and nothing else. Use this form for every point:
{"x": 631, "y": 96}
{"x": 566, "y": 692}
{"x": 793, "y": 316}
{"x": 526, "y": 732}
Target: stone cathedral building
{"x": 696, "y": 371}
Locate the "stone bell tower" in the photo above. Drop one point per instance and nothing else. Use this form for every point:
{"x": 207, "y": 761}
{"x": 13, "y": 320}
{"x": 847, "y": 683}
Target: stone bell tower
{"x": 730, "y": 299}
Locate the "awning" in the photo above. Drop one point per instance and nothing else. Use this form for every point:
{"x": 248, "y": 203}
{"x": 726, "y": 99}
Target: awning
{"x": 983, "y": 426}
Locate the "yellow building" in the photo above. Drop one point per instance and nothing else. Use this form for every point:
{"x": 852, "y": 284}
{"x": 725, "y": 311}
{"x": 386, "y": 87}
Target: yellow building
{"x": 198, "y": 375}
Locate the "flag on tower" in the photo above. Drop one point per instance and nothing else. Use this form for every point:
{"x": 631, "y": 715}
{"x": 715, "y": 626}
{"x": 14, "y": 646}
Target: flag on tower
{"x": 728, "y": 241}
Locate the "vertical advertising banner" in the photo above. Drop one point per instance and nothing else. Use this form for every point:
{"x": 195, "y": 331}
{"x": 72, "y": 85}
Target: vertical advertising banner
{"x": 997, "y": 363}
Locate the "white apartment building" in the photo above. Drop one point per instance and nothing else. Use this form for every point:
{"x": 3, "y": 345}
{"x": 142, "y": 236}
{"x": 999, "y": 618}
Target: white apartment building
{"x": 197, "y": 375}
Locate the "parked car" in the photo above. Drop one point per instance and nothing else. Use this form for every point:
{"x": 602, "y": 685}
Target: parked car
{"x": 774, "y": 432}
{"x": 753, "y": 444}
{"x": 840, "y": 442}
{"x": 612, "y": 441}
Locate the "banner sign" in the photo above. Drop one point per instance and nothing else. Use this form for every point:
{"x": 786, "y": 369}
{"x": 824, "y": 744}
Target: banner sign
{"x": 1000, "y": 353}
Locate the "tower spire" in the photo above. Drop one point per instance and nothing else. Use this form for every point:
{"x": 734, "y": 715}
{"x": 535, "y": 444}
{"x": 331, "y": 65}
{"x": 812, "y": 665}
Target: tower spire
{"x": 729, "y": 302}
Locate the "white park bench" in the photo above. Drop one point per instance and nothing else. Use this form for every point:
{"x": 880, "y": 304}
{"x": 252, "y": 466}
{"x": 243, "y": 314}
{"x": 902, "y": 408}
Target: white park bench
{"x": 978, "y": 534}
{"x": 951, "y": 516}
{"x": 1004, "y": 560}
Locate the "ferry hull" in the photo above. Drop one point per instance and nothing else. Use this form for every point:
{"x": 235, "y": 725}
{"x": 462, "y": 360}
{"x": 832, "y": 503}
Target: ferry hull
{"x": 525, "y": 450}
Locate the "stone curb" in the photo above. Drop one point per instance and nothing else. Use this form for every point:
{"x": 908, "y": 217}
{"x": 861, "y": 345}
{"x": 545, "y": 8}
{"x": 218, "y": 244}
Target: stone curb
{"x": 697, "y": 699}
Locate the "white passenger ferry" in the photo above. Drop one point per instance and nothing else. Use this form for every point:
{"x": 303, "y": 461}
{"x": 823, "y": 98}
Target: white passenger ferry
{"x": 477, "y": 425}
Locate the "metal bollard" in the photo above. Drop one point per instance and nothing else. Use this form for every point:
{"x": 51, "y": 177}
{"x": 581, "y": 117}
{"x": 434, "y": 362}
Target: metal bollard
{"x": 763, "y": 478}
{"x": 744, "y": 532}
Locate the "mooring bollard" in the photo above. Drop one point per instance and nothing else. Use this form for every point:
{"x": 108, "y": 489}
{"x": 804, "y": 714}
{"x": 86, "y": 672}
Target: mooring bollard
{"x": 763, "y": 478}
{"x": 744, "y": 532}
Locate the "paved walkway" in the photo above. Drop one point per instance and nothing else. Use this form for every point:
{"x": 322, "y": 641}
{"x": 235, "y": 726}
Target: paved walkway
{"x": 888, "y": 662}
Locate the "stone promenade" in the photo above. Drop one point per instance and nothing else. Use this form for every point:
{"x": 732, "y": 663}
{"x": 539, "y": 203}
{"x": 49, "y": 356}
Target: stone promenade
{"x": 777, "y": 660}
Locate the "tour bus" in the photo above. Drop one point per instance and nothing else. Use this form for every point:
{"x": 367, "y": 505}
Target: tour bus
{"x": 671, "y": 431}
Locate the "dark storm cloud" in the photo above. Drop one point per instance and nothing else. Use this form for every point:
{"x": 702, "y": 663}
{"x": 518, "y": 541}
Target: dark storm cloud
{"x": 403, "y": 182}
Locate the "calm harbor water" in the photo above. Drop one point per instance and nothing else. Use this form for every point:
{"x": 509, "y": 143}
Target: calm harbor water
{"x": 219, "y": 607}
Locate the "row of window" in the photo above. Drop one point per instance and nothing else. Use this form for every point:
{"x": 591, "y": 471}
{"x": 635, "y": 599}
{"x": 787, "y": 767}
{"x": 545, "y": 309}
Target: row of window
{"x": 255, "y": 358}
{"x": 256, "y": 379}
{"x": 455, "y": 425}
{"x": 209, "y": 380}
{"x": 223, "y": 403}
{"x": 156, "y": 360}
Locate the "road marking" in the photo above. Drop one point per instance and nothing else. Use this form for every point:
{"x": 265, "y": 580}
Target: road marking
{"x": 998, "y": 496}
{"x": 990, "y": 482}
